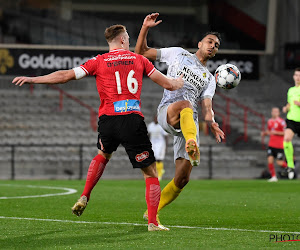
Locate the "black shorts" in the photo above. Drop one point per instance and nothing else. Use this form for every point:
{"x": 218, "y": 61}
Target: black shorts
{"x": 277, "y": 153}
{"x": 129, "y": 131}
{"x": 294, "y": 126}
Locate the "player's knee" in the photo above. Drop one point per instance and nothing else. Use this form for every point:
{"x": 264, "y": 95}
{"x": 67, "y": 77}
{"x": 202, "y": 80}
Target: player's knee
{"x": 180, "y": 105}
{"x": 288, "y": 135}
{"x": 185, "y": 104}
{"x": 150, "y": 171}
{"x": 287, "y": 139}
{"x": 181, "y": 183}
{"x": 105, "y": 155}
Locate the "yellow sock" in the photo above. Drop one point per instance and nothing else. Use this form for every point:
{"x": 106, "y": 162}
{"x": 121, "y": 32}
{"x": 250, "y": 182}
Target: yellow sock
{"x": 160, "y": 169}
{"x": 187, "y": 124}
{"x": 168, "y": 194}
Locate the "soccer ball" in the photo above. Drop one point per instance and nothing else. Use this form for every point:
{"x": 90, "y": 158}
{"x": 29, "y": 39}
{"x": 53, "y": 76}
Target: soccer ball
{"x": 227, "y": 76}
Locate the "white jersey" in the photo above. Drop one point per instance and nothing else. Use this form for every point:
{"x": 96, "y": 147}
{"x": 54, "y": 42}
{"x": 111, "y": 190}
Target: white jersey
{"x": 156, "y": 132}
{"x": 157, "y": 138}
{"x": 199, "y": 83}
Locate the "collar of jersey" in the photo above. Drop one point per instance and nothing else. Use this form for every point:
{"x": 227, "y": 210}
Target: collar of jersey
{"x": 194, "y": 55}
{"x": 116, "y": 50}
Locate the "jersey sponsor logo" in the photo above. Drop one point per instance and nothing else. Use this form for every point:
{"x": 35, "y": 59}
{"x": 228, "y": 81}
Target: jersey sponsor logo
{"x": 119, "y": 57}
{"x": 127, "y": 105}
{"x": 192, "y": 78}
{"x": 142, "y": 156}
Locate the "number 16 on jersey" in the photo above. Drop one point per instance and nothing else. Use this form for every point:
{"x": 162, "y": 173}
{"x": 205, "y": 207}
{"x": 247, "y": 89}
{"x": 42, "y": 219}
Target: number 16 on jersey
{"x": 132, "y": 83}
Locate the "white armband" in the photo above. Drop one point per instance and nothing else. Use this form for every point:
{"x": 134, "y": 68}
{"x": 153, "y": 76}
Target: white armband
{"x": 79, "y": 73}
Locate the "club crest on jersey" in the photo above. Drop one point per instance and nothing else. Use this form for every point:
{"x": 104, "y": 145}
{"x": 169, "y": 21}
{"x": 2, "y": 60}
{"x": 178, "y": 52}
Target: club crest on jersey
{"x": 127, "y": 105}
{"x": 142, "y": 156}
{"x": 204, "y": 75}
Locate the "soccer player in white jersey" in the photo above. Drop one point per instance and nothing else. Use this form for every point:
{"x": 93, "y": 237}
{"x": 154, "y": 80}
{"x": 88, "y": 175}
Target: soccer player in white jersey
{"x": 158, "y": 138}
{"x": 177, "y": 111}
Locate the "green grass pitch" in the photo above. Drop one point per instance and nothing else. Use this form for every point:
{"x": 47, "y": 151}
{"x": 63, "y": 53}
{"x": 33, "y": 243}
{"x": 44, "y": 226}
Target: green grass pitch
{"x": 214, "y": 214}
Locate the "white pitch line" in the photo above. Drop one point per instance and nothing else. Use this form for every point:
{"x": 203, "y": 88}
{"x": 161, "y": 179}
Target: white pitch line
{"x": 69, "y": 191}
{"x": 138, "y": 224}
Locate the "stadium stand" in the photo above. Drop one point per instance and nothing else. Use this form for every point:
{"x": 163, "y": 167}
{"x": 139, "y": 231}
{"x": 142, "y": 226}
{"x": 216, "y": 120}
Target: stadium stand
{"x": 35, "y": 118}
{"x": 87, "y": 28}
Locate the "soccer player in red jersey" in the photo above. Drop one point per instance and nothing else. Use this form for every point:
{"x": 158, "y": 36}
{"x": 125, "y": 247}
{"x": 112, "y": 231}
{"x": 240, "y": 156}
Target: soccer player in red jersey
{"x": 276, "y": 127}
{"x": 119, "y": 75}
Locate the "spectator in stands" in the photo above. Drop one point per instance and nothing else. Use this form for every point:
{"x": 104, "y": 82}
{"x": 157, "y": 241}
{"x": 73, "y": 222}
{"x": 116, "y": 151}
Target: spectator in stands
{"x": 159, "y": 140}
{"x": 292, "y": 108}
{"x": 276, "y": 126}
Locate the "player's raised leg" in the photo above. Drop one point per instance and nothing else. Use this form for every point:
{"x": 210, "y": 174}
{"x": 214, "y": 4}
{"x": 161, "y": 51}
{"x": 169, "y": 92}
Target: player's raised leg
{"x": 282, "y": 163}
{"x": 95, "y": 172}
{"x": 180, "y": 114}
{"x": 189, "y": 132}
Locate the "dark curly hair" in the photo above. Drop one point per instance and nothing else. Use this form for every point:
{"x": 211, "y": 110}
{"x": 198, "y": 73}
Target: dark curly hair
{"x": 217, "y": 34}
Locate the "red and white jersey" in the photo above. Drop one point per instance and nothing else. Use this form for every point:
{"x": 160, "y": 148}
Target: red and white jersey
{"x": 119, "y": 76}
{"x": 276, "y": 141}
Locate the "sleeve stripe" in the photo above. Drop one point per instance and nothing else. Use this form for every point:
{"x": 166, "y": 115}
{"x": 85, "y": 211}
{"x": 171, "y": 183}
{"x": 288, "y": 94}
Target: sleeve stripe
{"x": 84, "y": 69}
{"x": 151, "y": 72}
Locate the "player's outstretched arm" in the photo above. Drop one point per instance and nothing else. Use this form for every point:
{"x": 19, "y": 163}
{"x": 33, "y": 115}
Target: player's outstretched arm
{"x": 60, "y": 76}
{"x": 141, "y": 46}
{"x": 166, "y": 82}
{"x": 208, "y": 116}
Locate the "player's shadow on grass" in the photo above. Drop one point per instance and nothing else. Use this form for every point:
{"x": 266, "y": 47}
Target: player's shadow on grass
{"x": 100, "y": 235}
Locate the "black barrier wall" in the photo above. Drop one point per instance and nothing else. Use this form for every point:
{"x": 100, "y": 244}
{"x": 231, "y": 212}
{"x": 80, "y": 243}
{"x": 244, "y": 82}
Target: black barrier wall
{"x": 31, "y": 62}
